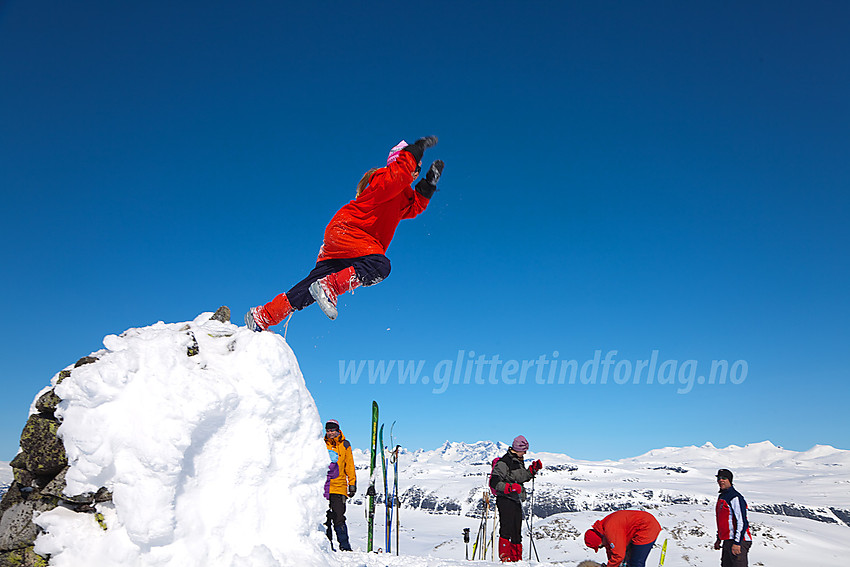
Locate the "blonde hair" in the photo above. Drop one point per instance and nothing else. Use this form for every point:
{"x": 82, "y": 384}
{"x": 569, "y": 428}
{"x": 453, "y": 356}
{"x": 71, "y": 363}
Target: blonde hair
{"x": 364, "y": 181}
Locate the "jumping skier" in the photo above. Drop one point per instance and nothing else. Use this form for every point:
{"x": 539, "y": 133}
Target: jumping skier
{"x": 506, "y": 481}
{"x": 343, "y": 485}
{"x": 356, "y": 239}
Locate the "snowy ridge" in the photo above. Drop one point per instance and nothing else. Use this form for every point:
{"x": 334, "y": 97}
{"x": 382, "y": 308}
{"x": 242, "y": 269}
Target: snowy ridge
{"x": 817, "y": 478}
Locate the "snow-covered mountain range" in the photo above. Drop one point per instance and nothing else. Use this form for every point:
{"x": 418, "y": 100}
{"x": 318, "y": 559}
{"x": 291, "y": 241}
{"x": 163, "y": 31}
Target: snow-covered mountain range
{"x": 799, "y": 502}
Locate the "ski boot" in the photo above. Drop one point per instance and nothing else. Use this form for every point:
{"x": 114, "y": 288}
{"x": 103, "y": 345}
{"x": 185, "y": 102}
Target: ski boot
{"x": 264, "y": 316}
{"x": 326, "y": 290}
{"x": 342, "y": 537}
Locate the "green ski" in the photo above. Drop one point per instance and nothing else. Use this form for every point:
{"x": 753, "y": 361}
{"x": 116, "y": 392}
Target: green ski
{"x": 371, "y": 490}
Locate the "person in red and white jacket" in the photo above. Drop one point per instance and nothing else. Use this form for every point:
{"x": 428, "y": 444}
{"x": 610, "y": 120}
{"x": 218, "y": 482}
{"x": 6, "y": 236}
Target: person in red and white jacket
{"x": 733, "y": 529}
{"x": 353, "y": 252}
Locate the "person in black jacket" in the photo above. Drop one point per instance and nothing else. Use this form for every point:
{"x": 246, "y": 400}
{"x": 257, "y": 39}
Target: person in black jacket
{"x": 506, "y": 481}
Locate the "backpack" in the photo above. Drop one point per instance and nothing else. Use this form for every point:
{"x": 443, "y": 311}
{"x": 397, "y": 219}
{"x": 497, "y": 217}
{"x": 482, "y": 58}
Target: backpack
{"x": 490, "y": 483}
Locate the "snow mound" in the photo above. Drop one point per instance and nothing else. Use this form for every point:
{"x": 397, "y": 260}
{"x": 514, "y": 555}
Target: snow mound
{"x": 209, "y": 442}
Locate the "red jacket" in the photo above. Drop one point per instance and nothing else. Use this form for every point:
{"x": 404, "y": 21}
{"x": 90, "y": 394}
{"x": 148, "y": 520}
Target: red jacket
{"x": 624, "y": 527}
{"x": 367, "y": 224}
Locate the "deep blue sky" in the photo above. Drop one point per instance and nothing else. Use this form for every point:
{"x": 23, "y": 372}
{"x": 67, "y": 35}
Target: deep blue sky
{"x": 668, "y": 176}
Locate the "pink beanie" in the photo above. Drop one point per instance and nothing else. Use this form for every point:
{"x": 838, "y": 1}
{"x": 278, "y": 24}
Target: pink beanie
{"x": 520, "y": 443}
{"x": 395, "y": 151}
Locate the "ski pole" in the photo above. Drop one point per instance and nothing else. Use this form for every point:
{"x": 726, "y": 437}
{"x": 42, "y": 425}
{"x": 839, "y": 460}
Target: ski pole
{"x": 465, "y": 540}
{"x": 479, "y": 537}
{"x": 530, "y": 520}
{"x": 493, "y": 534}
{"x": 329, "y": 529}
{"x": 486, "y": 515}
{"x": 663, "y": 553}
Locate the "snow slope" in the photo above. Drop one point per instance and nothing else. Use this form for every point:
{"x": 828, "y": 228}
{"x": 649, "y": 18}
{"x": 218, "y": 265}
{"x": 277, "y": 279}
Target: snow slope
{"x": 210, "y": 443}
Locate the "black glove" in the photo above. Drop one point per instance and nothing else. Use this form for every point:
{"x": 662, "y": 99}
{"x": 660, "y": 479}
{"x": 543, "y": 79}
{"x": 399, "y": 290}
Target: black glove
{"x": 352, "y": 489}
{"x": 427, "y": 186}
{"x": 418, "y": 147}
{"x": 427, "y": 142}
{"x": 434, "y": 172}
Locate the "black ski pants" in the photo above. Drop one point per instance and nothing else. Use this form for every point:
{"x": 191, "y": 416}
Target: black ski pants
{"x": 510, "y": 519}
{"x": 336, "y": 512}
{"x": 370, "y": 270}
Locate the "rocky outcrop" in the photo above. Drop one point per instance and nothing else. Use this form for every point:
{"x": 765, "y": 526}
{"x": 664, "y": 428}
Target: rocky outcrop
{"x": 25, "y": 557}
{"x": 41, "y": 460}
{"x": 826, "y": 515}
{"x": 39, "y": 479}
{"x": 431, "y": 502}
{"x": 39, "y": 476}
{"x": 843, "y": 515}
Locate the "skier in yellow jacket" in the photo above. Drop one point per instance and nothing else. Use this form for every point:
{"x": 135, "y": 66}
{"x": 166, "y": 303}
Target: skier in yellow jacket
{"x": 344, "y": 485}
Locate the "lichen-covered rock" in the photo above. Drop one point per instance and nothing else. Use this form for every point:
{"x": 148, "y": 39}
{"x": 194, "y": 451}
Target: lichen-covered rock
{"x": 85, "y": 360}
{"x": 26, "y": 557}
{"x": 41, "y": 446}
{"x": 47, "y": 402}
{"x": 17, "y": 529}
{"x": 193, "y": 349}
{"x": 103, "y": 495}
{"x": 11, "y": 497}
{"x": 222, "y": 314}
{"x": 23, "y": 477}
{"x": 19, "y": 462}
{"x": 62, "y": 375}
{"x": 56, "y": 487}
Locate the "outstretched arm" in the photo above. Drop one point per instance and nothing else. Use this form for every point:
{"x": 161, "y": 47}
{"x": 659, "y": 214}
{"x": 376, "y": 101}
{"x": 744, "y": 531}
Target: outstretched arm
{"x": 424, "y": 190}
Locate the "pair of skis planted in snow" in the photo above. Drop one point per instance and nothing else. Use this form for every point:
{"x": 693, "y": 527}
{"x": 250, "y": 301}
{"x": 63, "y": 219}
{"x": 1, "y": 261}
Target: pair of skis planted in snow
{"x": 390, "y": 500}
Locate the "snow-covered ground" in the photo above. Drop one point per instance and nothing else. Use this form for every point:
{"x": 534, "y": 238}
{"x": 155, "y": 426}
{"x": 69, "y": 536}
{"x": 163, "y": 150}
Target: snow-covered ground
{"x": 428, "y": 541}
{"x": 208, "y": 439}
{"x": 677, "y": 485}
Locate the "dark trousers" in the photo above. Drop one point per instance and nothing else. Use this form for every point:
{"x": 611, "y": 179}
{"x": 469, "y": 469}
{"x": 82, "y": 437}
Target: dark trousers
{"x": 510, "y": 519}
{"x": 336, "y": 518}
{"x": 370, "y": 270}
{"x": 727, "y": 559}
{"x": 636, "y": 554}
{"x": 336, "y": 511}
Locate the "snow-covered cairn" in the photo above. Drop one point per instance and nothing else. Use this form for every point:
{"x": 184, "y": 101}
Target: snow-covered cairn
{"x": 191, "y": 444}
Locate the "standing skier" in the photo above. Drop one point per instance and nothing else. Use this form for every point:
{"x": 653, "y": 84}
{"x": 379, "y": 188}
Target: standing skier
{"x": 626, "y": 535}
{"x": 733, "y": 529}
{"x": 344, "y": 485}
{"x": 506, "y": 480}
{"x": 356, "y": 239}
